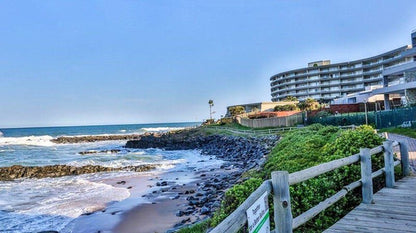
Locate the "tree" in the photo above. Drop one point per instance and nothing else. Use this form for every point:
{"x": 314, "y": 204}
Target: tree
{"x": 290, "y": 98}
{"x": 302, "y": 105}
{"x": 236, "y": 110}
{"x": 312, "y": 104}
{"x": 211, "y": 104}
{"x": 286, "y": 107}
{"x": 307, "y": 104}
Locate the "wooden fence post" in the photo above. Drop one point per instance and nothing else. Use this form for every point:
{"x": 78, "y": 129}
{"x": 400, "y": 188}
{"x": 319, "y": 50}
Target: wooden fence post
{"x": 367, "y": 181}
{"x": 388, "y": 163}
{"x": 404, "y": 157}
{"x": 281, "y": 199}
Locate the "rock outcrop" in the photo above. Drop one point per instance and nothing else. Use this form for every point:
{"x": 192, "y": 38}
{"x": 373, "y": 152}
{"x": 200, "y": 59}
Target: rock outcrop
{"x": 246, "y": 152}
{"x": 17, "y": 171}
{"x": 94, "y": 138}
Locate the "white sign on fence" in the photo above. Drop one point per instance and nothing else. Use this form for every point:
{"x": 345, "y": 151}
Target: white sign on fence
{"x": 258, "y": 216}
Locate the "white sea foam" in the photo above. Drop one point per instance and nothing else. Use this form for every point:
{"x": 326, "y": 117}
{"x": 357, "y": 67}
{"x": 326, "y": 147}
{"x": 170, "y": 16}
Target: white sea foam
{"x": 1, "y": 134}
{"x": 32, "y": 205}
{"x": 44, "y": 140}
{"x": 162, "y": 129}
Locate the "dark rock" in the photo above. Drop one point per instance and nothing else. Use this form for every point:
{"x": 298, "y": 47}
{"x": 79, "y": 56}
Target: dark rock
{"x": 179, "y": 213}
{"x": 18, "y": 171}
{"x": 185, "y": 220}
{"x": 205, "y": 210}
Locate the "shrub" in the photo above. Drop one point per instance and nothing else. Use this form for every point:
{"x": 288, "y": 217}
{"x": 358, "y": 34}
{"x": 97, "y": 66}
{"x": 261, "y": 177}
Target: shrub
{"x": 225, "y": 121}
{"x": 234, "y": 197}
{"x": 323, "y": 114}
{"x": 286, "y": 107}
{"x": 236, "y": 110}
{"x": 304, "y": 148}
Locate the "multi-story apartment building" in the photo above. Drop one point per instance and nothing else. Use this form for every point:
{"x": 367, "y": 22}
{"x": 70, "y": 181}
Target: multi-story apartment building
{"x": 324, "y": 81}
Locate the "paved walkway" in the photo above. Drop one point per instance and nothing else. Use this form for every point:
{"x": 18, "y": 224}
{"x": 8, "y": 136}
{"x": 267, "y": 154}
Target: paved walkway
{"x": 411, "y": 144}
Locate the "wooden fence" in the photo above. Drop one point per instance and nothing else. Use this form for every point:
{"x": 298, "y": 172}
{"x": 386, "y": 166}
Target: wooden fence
{"x": 260, "y": 132}
{"x": 285, "y": 121}
{"x": 278, "y": 186}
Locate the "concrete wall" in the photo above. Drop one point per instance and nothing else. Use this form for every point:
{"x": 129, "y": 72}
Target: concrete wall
{"x": 272, "y": 122}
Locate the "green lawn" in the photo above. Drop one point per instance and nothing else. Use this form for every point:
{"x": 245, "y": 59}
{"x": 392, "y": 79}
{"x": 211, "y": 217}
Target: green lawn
{"x": 410, "y": 132}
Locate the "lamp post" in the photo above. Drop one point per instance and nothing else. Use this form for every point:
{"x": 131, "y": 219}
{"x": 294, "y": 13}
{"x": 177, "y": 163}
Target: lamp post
{"x": 365, "y": 109}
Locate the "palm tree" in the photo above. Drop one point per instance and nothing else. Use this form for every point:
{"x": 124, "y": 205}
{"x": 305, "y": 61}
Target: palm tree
{"x": 211, "y": 103}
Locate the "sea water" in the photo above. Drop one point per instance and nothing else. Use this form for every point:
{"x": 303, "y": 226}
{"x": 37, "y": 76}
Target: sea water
{"x": 33, "y": 205}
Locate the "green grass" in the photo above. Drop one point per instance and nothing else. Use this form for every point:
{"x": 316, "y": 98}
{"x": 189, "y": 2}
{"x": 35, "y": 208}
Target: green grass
{"x": 238, "y": 126}
{"x": 196, "y": 228}
{"x": 402, "y": 131}
{"x": 210, "y": 129}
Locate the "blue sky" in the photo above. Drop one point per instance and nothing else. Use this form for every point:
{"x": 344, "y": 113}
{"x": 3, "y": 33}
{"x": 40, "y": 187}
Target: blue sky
{"x": 105, "y": 62}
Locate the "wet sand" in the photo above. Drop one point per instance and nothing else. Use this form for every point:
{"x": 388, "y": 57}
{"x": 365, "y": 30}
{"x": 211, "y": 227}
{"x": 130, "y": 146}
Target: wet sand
{"x": 150, "y": 208}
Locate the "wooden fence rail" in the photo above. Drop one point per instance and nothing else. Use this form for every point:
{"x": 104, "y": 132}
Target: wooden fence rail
{"x": 278, "y": 186}
{"x": 266, "y": 131}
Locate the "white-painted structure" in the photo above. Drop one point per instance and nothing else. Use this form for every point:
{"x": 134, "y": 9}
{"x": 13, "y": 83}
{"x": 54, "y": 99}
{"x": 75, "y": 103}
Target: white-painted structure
{"x": 325, "y": 82}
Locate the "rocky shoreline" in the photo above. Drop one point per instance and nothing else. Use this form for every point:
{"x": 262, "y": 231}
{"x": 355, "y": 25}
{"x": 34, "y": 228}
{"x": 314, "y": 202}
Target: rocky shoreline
{"x": 239, "y": 153}
{"x": 18, "y": 171}
{"x": 196, "y": 200}
{"x": 94, "y": 138}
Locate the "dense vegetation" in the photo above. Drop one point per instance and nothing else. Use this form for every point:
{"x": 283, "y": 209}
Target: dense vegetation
{"x": 236, "y": 110}
{"x": 286, "y": 107}
{"x": 301, "y": 149}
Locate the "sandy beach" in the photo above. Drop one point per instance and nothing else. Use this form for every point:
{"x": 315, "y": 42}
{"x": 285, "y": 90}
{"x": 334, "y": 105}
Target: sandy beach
{"x": 154, "y": 203}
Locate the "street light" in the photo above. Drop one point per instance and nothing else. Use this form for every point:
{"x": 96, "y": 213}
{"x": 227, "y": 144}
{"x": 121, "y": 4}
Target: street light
{"x": 365, "y": 109}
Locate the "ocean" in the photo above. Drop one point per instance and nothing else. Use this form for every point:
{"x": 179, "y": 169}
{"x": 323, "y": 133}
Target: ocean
{"x": 34, "y": 205}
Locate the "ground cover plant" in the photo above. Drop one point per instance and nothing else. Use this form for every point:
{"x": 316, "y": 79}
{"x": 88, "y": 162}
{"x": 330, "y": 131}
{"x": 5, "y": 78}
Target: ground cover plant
{"x": 299, "y": 150}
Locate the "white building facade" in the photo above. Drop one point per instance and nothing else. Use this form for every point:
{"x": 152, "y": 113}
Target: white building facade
{"x": 324, "y": 81}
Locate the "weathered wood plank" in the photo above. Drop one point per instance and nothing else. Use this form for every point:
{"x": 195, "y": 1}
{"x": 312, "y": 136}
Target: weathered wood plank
{"x": 404, "y": 157}
{"x": 376, "y": 214}
{"x": 306, "y": 216}
{"x": 384, "y": 210}
{"x": 376, "y": 150}
{"x": 366, "y": 179}
{"x": 393, "y": 211}
{"x": 281, "y": 199}
{"x": 379, "y": 219}
{"x": 350, "y": 227}
{"x": 238, "y": 218}
{"x": 320, "y": 169}
{"x": 407, "y": 200}
{"x": 378, "y": 223}
{"x": 388, "y": 163}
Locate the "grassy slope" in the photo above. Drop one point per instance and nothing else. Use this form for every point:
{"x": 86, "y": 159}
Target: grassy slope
{"x": 296, "y": 151}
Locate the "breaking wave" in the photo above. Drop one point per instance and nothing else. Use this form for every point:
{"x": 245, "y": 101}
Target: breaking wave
{"x": 44, "y": 140}
{"x": 162, "y": 129}
{"x": 51, "y": 203}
